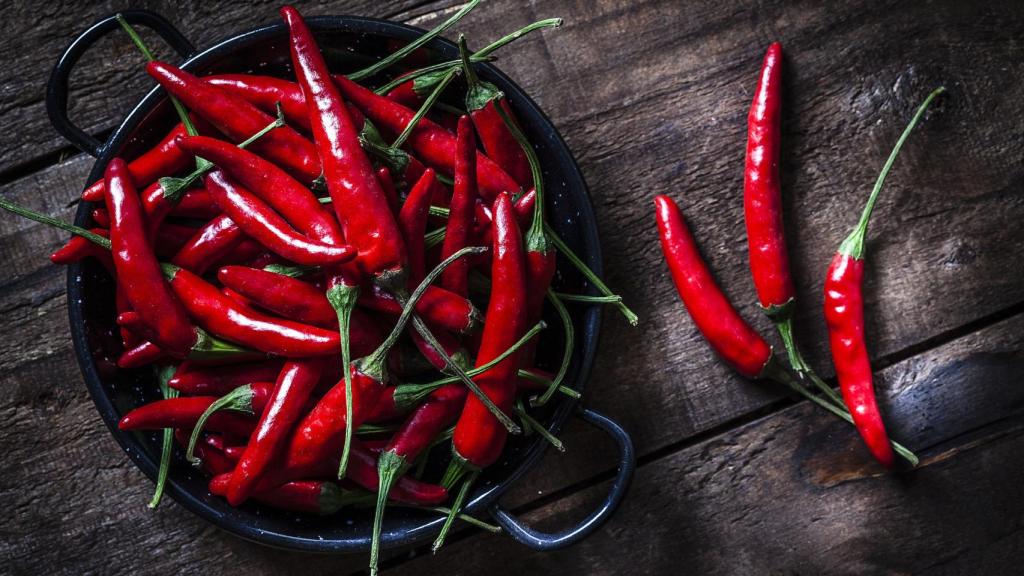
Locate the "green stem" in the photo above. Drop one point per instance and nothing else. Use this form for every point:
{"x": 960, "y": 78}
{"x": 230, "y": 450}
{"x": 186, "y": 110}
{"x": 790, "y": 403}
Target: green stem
{"x": 536, "y": 237}
{"x": 389, "y": 467}
{"x": 413, "y": 46}
{"x": 796, "y": 360}
{"x": 493, "y": 529}
{"x": 433, "y": 238}
{"x": 588, "y": 299}
{"x": 368, "y": 429}
{"x": 539, "y": 428}
{"x": 456, "y": 507}
{"x": 164, "y": 375}
{"x": 570, "y": 339}
{"x": 427, "y": 105}
{"x": 50, "y": 221}
{"x": 343, "y": 299}
{"x": 562, "y": 247}
{"x": 853, "y": 245}
{"x": 239, "y": 400}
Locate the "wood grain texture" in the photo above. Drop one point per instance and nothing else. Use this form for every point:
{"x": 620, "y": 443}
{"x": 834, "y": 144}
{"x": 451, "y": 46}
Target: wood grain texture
{"x": 652, "y": 98}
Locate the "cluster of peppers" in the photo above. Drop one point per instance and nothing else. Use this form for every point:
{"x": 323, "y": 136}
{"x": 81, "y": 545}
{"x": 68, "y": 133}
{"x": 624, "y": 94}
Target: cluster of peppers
{"x": 732, "y": 338}
{"x": 265, "y": 305}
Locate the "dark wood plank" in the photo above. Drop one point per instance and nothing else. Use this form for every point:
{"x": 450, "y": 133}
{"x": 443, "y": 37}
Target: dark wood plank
{"x": 793, "y": 493}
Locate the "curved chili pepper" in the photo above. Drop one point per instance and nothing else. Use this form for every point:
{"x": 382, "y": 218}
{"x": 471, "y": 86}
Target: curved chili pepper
{"x": 482, "y": 98}
{"x": 219, "y": 380}
{"x": 412, "y": 219}
{"x": 256, "y": 218}
{"x": 142, "y": 354}
{"x": 434, "y": 145}
{"x": 223, "y": 317}
{"x": 209, "y": 245}
{"x": 238, "y": 119}
{"x": 844, "y": 316}
{"x": 358, "y": 200}
{"x": 291, "y": 392}
{"x": 137, "y": 269}
{"x": 78, "y": 248}
{"x": 266, "y": 92}
{"x": 462, "y": 209}
{"x": 438, "y": 307}
{"x": 731, "y": 337}
{"x": 163, "y": 159}
{"x": 184, "y": 412}
{"x": 271, "y": 184}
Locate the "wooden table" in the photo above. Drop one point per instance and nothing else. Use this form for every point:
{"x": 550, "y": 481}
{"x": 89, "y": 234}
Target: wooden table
{"x": 734, "y": 476}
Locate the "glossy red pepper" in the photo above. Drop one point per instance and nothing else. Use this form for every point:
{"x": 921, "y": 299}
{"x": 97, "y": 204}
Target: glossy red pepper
{"x": 78, "y": 248}
{"x": 319, "y": 497}
{"x": 141, "y": 354}
{"x": 284, "y": 194}
{"x": 138, "y": 271}
{"x": 438, "y": 307}
{"x": 238, "y": 119}
{"x": 260, "y": 222}
{"x": 101, "y": 217}
{"x": 432, "y": 144}
{"x": 730, "y": 336}
{"x": 195, "y": 203}
{"x": 219, "y": 380}
{"x": 184, "y": 412}
{"x": 265, "y": 92}
{"x": 387, "y": 185}
{"x": 209, "y": 245}
{"x": 479, "y": 436}
{"x": 360, "y": 204}
{"x": 462, "y": 210}
{"x": 412, "y": 219}
{"x": 161, "y": 160}
{"x": 294, "y": 386}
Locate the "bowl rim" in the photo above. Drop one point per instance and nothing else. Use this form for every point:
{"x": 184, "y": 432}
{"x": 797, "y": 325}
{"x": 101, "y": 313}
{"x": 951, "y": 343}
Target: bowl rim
{"x": 482, "y": 495}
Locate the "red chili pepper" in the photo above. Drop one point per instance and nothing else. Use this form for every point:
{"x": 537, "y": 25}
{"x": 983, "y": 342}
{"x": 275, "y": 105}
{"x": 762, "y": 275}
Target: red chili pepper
{"x": 243, "y": 253}
{"x": 219, "y": 380}
{"x": 479, "y": 436}
{"x": 184, "y": 412}
{"x": 306, "y": 496}
{"x": 239, "y": 120}
{"x": 134, "y": 323}
{"x": 137, "y": 268}
{"x": 196, "y": 203}
{"x": 844, "y": 316}
{"x": 433, "y": 144}
{"x": 387, "y": 185}
{"x": 223, "y": 317}
{"x": 385, "y": 410}
{"x": 266, "y": 92}
{"x": 101, "y": 217}
{"x": 78, "y": 248}
{"x": 259, "y": 221}
{"x": 209, "y": 245}
{"x": 237, "y": 297}
{"x": 274, "y": 186}
{"x": 412, "y": 219}
{"x": 214, "y": 461}
{"x": 481, "y": 101}
{"x": 438, "y": 308}
{"x": 462, "y": 210}
{"x": 143, "y": 354}
{"x": 292, "y": 298}
{"x": 358, "y": 200}
{"x": 731, "y": 337}
{"x": 163, "y": 159}
{"x": 291, "y": 392}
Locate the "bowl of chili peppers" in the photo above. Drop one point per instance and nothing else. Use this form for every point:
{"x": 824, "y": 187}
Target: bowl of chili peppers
{"x": 334, "y": 284}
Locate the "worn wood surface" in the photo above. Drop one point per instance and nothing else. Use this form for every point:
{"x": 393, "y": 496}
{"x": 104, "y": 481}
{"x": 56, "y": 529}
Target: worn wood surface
{"x": 652, "y": 98}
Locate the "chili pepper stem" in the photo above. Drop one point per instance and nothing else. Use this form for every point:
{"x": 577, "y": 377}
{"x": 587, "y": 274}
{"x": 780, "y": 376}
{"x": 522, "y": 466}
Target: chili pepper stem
{"x": 564, "y": 249}
{"x": 570, "y": 343}
{"x": 774, "y": 372}
{"x": 163, "y": 376}
{"x": 389, "y": 467}
{"x": 539, "y": 428}
{"x": 587, "y": 299}
{"x": 784, "y": 325}
{"x": 239, "y": 399}
{"x": 50, "y": 221}
{"x": 427, "y": 105}
{"x": 343, "y": 299}
{"x": 493, "y": 529}
{"x": 853, "y": 245}
{"x": 456, "y": 507}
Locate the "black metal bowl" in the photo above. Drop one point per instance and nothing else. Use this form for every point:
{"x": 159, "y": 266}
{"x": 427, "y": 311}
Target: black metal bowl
{"x": 348, "y": 43}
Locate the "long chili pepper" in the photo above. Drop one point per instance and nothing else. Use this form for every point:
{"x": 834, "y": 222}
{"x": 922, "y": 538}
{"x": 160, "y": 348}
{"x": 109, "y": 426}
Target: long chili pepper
{"x": 461, "y": 210}
{"x": 844, "y": 316}
{"x": 209, "y": 245}
{"x": 307, "y": 496}
{"x": 482, "y": 102}
{"x": 718, "y": 321}
{"x": 432, "y": 143}
{"x": 219, "y": 380}
{"x": 137, "y": 268}
{"x": 412, "y": 220}
{"x": 238, "y": 119}
{"x": 184, "y": 412}
{"x": 271, "y": 184}
{"x": 321, "y": 433}
{"x": 479, "y": 437}
{"x": 294, "y": 386}
{"x": 358, "y": 200}
{"x": 78, "y": 248}
{"x": 266, "y": 92}
{"x": 195, "y": 203}
{"x": 415, "y": 435}
{"x": 438, "y": 307}
{"x": 163, "y": 159}
{"x": 259, "y": 221}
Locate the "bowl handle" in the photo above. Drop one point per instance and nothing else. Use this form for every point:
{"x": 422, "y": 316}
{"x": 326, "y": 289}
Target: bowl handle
{"x": 553, "y": 541}
{"x": 57, "y": 87}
